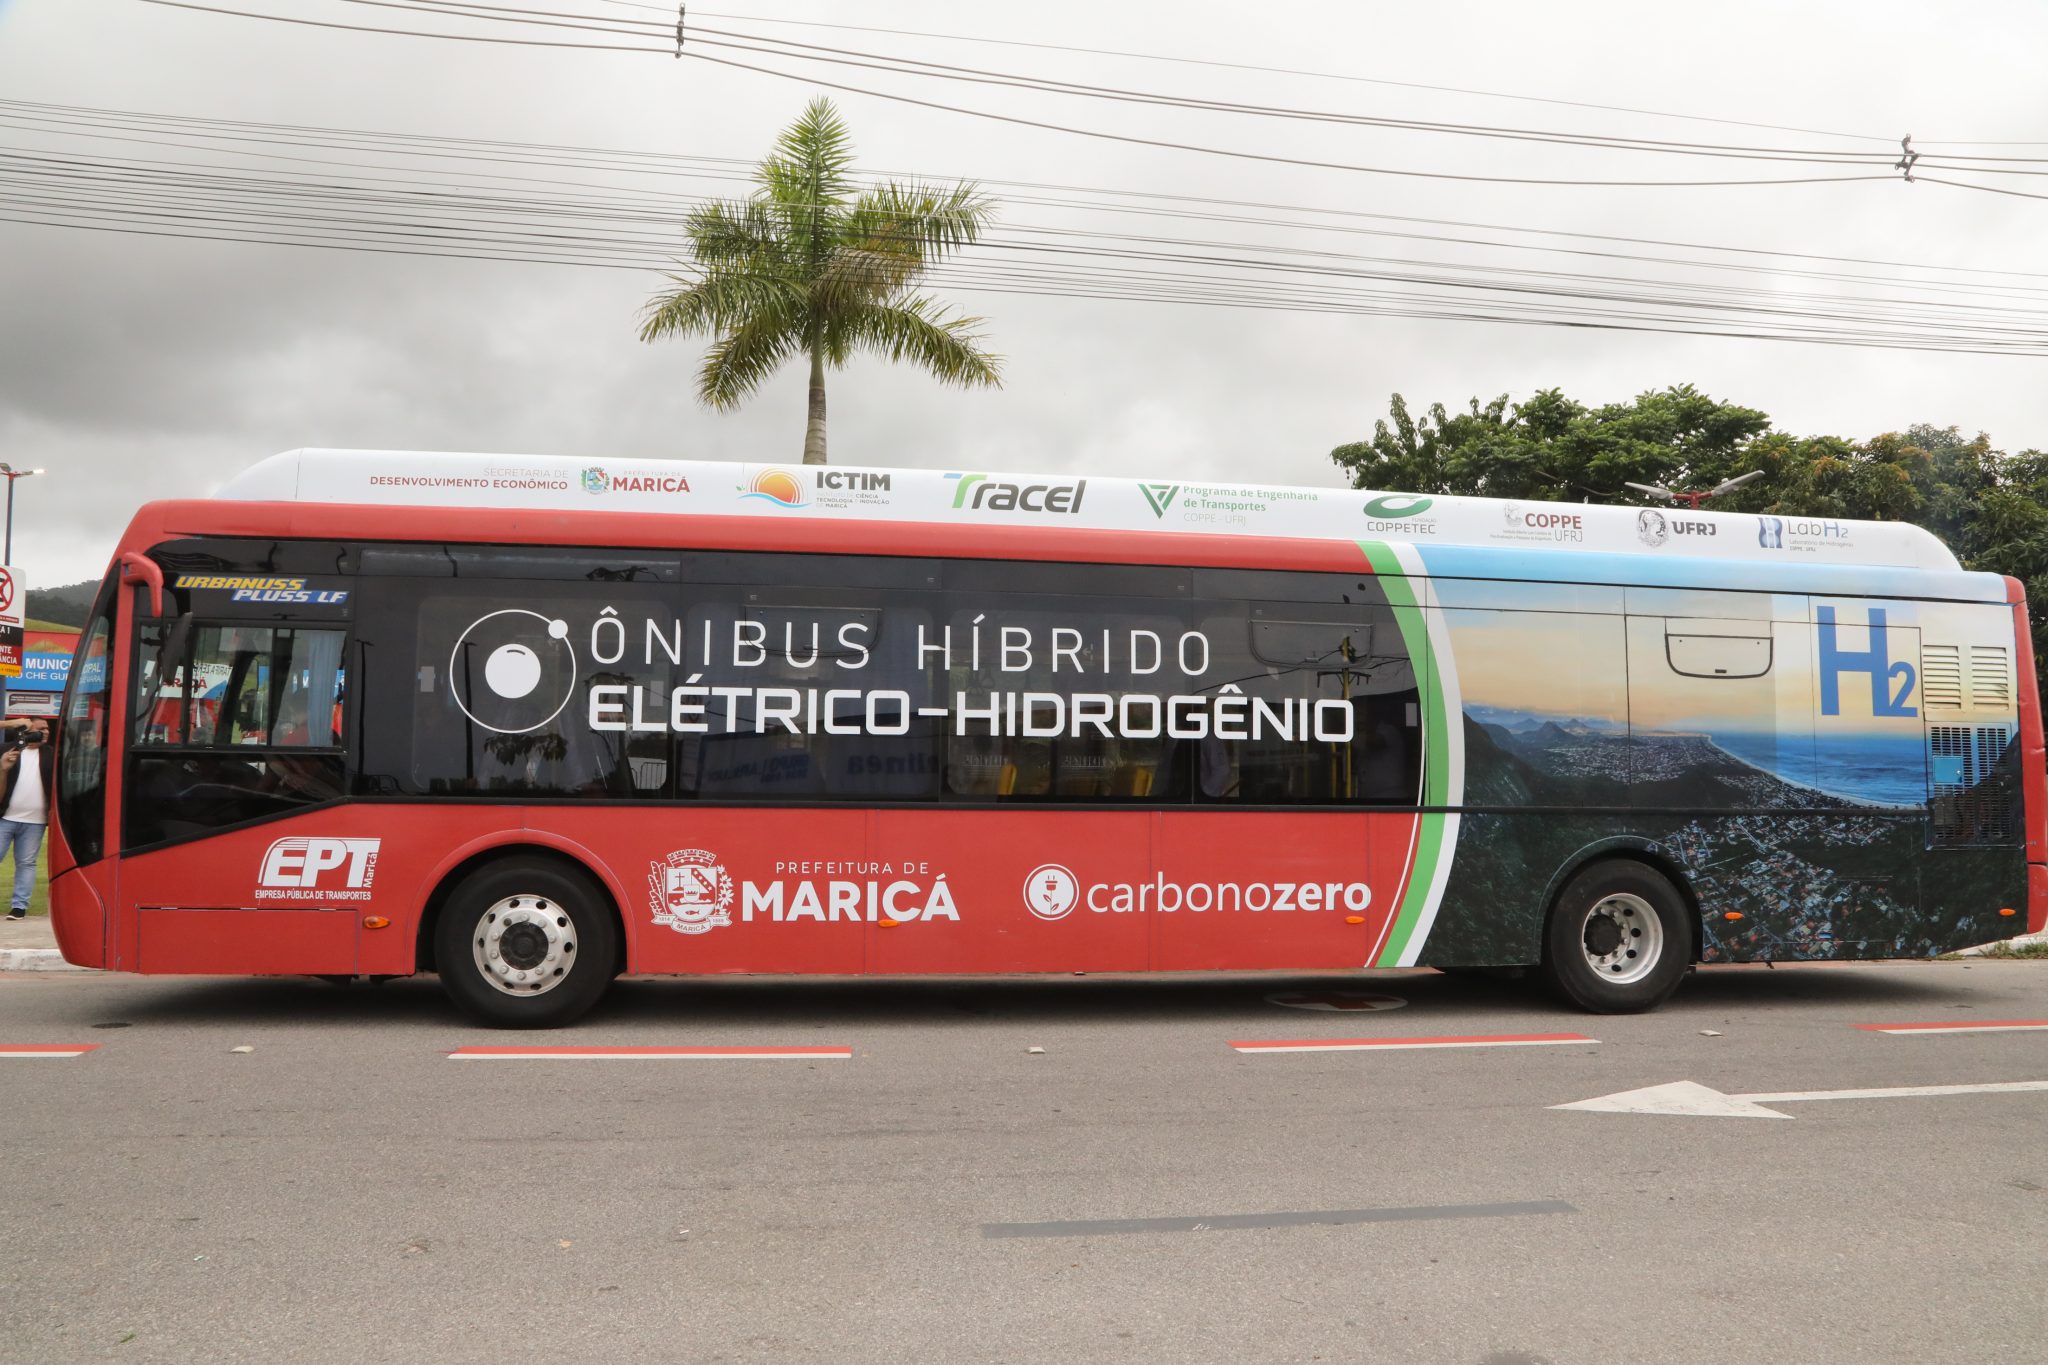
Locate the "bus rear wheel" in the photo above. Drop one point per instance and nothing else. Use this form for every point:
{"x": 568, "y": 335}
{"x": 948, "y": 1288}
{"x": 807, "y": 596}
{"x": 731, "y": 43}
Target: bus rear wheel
{"x": 1618, "y": 940}
{"x": 526, "y": 943}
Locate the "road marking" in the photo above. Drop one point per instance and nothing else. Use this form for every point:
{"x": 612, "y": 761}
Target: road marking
{"x": 1392, "y": 1044}
{"x": 1692, "y": 1098}
{"x": 650, "y": 1054}
{"x": 1230, "y": 1222}
{"x": 1348, "y": 1002}
{"x": 33, "y": 1051}
{"x": 1990, "y": 1026}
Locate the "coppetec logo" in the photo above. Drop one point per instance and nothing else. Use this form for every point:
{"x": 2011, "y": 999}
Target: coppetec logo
{"x": 1399, "y": 514}
{"x": 1651, "y": 528}
{"x": 776, "y": 486}
{"x": 513, "y": 670}
{"x": 309, "y": 867}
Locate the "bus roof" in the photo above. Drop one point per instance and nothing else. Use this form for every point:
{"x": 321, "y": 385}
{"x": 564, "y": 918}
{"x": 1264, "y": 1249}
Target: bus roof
{"x": 954, "y": 498}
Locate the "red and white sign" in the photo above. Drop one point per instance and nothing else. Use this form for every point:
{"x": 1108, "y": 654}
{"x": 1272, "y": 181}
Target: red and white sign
{"x": 13, "y": 608}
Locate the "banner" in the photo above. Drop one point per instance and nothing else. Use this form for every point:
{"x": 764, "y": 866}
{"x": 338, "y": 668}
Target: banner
{"x": 13, "y": 608}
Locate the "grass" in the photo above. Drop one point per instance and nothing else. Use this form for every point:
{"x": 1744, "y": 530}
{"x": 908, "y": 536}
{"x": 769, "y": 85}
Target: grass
{"x": 2007, "y": 950}
{"x": 33, "y": 624}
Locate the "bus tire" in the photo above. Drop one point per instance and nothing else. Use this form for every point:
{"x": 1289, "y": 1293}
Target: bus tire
{"x": 1619, "y": 939}
{"x": 526, "y": 942}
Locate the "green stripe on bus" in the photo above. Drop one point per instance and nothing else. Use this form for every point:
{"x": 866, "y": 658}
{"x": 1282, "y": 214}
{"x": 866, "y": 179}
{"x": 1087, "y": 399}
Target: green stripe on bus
{"x": 1429, "y": 839}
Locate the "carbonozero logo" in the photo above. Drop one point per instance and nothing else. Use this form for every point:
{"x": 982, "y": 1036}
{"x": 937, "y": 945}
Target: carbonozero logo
{"x": 314, "y": 868}
{"x": 977, "y": 491}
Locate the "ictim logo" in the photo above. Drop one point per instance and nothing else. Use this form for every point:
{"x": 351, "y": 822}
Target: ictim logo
{"x": 513, "y": 670}
{"x": 778, "y": 486}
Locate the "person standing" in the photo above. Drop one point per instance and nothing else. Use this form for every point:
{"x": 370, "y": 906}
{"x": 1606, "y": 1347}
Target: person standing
{"x": 24, "y": 802}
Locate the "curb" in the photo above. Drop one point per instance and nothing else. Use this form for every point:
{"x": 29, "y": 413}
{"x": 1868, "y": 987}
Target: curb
{"x": 2020, "y": 941}
{"x": 35, "y": 960}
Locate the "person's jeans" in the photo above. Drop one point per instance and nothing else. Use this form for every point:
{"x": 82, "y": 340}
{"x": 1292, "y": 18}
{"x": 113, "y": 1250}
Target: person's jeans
{"x": 27, "y": 842}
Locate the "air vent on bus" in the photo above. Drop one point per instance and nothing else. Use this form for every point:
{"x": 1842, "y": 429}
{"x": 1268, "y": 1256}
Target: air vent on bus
{"x": 1990, "y": 678}
{"x": 1941, "y": 677}
{"x": 1973, "y": 784}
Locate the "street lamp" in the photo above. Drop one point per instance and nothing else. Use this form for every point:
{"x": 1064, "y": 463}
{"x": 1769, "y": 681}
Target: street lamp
{"x": 12, "y": 474}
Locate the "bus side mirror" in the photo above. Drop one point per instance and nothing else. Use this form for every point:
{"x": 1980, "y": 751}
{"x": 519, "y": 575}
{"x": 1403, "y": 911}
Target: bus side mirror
{"x": 145, "y": 568}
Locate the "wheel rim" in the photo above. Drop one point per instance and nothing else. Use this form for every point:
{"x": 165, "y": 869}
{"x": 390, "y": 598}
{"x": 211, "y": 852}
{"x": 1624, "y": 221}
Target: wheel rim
{"x": 1622, "y": 938}
{"x": 525, "y": 945}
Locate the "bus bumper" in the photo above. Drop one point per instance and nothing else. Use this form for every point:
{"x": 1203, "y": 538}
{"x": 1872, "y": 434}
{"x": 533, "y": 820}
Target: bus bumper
{"x": 78, "y": 919}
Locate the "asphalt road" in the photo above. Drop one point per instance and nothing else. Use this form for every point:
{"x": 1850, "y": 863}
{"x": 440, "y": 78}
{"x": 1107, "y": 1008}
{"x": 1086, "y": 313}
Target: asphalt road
{"x": 1137, "y": 1191}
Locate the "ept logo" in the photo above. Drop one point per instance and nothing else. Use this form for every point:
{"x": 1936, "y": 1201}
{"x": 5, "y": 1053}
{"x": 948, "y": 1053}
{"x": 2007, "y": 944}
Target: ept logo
{"x": 309, "y": 867}
{"x": 513, "y": 670}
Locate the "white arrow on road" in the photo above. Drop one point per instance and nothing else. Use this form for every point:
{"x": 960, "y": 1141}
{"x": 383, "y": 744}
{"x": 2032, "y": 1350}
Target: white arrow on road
{"x": 1690, "y": 1097}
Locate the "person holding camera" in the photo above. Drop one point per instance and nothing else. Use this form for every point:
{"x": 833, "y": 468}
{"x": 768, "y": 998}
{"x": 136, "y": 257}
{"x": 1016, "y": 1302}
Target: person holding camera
{"x": 24, "y": 802}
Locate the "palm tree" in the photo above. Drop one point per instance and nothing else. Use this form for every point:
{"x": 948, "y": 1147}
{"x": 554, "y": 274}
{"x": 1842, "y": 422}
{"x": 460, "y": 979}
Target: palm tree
{"x": 813, "y": 265}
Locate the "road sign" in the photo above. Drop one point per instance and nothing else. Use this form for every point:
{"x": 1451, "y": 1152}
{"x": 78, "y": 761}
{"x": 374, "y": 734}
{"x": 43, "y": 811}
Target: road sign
{"x": 13, "y": 608}
{"x": 1692, "y": 1098}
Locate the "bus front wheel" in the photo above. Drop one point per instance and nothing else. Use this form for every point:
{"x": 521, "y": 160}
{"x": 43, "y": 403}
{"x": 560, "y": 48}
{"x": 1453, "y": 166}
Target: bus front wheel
{"x": 1618, "y": 940}
{"x": 525, "y": 943}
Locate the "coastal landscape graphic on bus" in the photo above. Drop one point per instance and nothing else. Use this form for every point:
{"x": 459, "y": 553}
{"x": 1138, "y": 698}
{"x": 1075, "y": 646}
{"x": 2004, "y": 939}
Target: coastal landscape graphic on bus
{"x": 513, "y": 670}
{"x": 1688, "y": 706}
{"x": 777, "y": 486}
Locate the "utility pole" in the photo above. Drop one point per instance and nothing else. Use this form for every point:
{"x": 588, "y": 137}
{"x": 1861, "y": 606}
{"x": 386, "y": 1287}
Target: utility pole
{"x": 7, "y": 557}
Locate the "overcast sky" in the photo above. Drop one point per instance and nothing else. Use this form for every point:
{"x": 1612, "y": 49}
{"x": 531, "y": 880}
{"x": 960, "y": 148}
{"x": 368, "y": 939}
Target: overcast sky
{"x": 135, "y": 368}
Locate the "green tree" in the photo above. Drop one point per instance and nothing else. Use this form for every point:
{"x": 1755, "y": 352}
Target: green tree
{"x": 813, "y": 265}
{"x": 1989, "y": 507}
{"x": 1554, "y": 448}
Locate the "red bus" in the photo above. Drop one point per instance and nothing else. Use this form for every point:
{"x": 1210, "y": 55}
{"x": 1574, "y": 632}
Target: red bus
{"x": 531, "y": 723}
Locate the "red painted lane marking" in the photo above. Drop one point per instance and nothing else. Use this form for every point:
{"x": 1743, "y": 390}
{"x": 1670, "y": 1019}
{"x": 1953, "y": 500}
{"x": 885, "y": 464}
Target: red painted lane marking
{"x": 1985, "y": 1026}
{"x": 649, "y": 1054}
{"x": 32, "y": 1050}
{"x": 1388, "y": 1044}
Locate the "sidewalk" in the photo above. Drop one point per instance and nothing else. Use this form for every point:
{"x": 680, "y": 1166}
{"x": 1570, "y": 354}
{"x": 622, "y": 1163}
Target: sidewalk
{"x": 29, "y": 946}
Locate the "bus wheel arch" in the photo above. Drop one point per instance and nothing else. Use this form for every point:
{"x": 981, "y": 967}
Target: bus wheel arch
{"x": 462, "y": 862}
{"x": 523, "y": 936}
{"x": 1620, "y": 931}
{"x": 1637, "y": 849}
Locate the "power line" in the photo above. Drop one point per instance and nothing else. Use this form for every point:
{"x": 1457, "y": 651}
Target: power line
{"x": 1065, "y": 128}
{"x": 1268, "y": 70}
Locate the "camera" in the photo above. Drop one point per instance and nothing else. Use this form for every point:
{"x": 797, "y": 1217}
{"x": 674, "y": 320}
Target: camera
{"x": 30, "y": 737}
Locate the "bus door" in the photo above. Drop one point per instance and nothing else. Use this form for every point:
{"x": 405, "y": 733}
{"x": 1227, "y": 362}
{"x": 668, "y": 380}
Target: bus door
{"x": 234, "y": 728}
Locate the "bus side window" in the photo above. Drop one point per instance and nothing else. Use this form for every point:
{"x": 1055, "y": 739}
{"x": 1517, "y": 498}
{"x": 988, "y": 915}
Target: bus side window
{"x": 245, "y": 726}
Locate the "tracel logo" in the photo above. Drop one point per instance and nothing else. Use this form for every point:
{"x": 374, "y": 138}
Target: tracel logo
{"x": 1159, "y": 496}
{"x": 312, "y": 868}
{"x": 979, "y": 491}
{"x": 777, "y": 486}
{"x": 690, "y": 892}
{"x": 594, "y": 480}
{"x": 1397, "y": 505}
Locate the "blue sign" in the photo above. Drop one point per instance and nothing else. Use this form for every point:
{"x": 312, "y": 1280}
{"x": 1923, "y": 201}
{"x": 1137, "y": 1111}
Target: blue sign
{"x": 42, "y": 673}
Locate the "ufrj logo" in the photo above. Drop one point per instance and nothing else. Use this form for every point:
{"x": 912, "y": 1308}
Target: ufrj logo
{"x": 306, "y": 867}
{"x": 1874, "y": 662}
{"x": 690, "y": 891}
